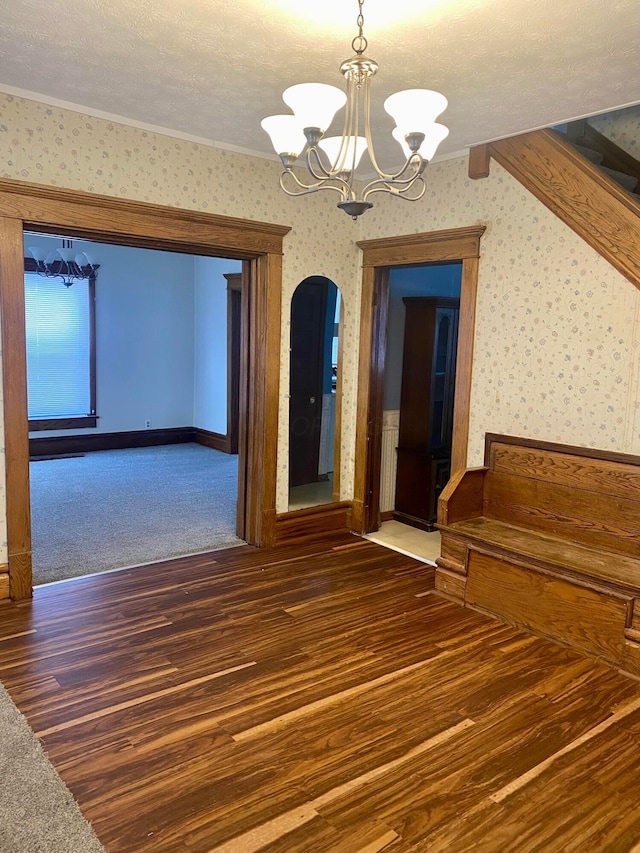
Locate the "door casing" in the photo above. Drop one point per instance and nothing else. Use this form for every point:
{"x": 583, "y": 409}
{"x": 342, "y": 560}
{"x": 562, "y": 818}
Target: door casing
{"x": 114, "y": 220}
{"x": 378, "y": 256}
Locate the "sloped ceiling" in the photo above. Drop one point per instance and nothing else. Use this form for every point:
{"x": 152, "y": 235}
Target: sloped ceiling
{"x": 215, "y": 68}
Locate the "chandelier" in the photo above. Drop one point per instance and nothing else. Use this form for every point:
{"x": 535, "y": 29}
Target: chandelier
{"x": 64, "y": 263}
{"x": 332, "y": 161}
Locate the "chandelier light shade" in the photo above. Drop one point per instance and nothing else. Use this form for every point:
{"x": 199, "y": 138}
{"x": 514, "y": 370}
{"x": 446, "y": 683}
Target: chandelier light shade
{"x": 331, "y": 162}
{"x": 415, "y": 109}
{"x": 286, "y": 134}
{"x": 64, "y": 263}
{"x": 332, "y": 147}
{"x": 437, "y": 132}
{"x": 314, "y": 104}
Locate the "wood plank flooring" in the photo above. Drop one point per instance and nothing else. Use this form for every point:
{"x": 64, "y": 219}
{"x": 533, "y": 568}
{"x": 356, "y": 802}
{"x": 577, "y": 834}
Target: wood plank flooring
{"x": 318, "y": 698}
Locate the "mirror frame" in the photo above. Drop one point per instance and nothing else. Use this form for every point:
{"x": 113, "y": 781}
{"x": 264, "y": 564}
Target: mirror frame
{"x": 335, "y": 496}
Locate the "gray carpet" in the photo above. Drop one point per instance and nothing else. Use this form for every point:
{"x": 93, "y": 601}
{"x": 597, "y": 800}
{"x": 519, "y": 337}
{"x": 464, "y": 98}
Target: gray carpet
{"x": 118, "y": 508}
{"x": 38, "y": 813}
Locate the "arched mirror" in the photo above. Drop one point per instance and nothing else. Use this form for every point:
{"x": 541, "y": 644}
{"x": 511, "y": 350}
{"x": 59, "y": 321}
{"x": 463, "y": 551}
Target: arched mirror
{"x": 314, "y": 393}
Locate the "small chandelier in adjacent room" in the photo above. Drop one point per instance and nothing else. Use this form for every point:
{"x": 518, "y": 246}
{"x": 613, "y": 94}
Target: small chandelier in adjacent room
{"x": 64, "y": 263}
{"x": 332, "y": 162}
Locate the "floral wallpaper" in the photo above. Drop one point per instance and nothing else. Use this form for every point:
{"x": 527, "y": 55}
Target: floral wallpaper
{"x": 557, "y": 348}
{"x": 50, "y": 145}
{"x": 621, "y": 127}
{"x": 557, "y": 328}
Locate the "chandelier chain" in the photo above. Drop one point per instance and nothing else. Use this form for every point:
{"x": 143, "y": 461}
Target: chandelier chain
{"x": 359, "y": 44}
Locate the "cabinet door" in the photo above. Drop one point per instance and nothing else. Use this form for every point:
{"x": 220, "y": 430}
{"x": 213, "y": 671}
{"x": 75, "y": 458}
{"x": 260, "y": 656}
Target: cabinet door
{"x": 426, "y": 412}
{"x": 443, "y": 379}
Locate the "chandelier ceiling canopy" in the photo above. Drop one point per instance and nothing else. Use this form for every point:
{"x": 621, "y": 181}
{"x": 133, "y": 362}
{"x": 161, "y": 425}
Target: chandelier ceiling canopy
{"x": 331, "y": 162}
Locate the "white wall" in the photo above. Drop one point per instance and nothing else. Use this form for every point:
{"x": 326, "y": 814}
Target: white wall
{"x": 210, "y": 342}
{"x": 144, "y": 337}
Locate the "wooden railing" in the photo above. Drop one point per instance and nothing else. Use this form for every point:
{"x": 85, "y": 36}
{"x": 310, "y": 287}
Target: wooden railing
{"x": 588, "y": 201}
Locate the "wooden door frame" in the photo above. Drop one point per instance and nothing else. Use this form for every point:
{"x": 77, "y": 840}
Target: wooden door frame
{"x": 235, "y": 311}
{"x": 378, "y": 256}
{"x": 114, "y": 220}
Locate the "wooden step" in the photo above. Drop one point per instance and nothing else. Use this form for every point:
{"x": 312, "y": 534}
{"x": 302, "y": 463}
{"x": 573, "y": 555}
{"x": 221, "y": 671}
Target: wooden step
{"x": 590, "y": 153}
{"x": 628, "y": 182}
{"x": 632, "y": 635}
{"x": 623, "y": 179}
{"x": 586, "y": 618}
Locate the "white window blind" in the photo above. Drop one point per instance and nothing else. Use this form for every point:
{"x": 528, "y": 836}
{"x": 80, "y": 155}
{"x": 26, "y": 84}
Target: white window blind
{"x": 58, "y": 347}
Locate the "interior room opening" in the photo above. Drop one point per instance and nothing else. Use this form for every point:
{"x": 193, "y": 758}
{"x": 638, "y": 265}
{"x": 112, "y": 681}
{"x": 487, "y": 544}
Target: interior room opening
{"x": 133, "y": 372}
{"x": 419, "y": 389}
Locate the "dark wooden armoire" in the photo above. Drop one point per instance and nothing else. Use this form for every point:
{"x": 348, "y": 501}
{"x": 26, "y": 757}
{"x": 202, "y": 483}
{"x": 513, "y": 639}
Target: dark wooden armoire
{"x": 426, "y": 408}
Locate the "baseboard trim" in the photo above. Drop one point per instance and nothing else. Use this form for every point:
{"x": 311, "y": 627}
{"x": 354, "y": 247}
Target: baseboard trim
{"x": 215, "y": 440}
{"x": 4, "y": 581}
{"x": 413, "y": 521}
{"x": 387, "y": 515}
{"x": 54, "y": 445}
{"x": 452, "y": 584}
{"x": 313, "y": 522}
{"x": 357, "y": 517}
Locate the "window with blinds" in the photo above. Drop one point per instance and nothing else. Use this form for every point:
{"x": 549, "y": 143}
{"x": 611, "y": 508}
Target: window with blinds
{"x": 59, "y": 332}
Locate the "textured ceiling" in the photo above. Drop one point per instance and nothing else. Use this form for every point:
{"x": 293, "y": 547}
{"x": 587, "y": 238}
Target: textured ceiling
{"x": 215, "y": 68}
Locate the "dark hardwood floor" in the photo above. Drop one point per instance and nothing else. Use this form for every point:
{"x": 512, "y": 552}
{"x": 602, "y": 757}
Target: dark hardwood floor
{"x": 318, "y": 698}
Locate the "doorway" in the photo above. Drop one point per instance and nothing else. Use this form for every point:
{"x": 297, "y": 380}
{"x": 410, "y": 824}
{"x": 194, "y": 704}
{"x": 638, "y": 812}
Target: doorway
{"x": 417, "y": 416}
{"x": 419, "y": 389}
{"x": 83, "y": 215}
{"x": 129, "y": 405}
{"x": 379, "y": 257}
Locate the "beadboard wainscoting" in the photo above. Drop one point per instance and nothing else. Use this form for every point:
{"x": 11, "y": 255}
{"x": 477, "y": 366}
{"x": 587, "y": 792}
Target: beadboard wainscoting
{"x": 389, "y": 463}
